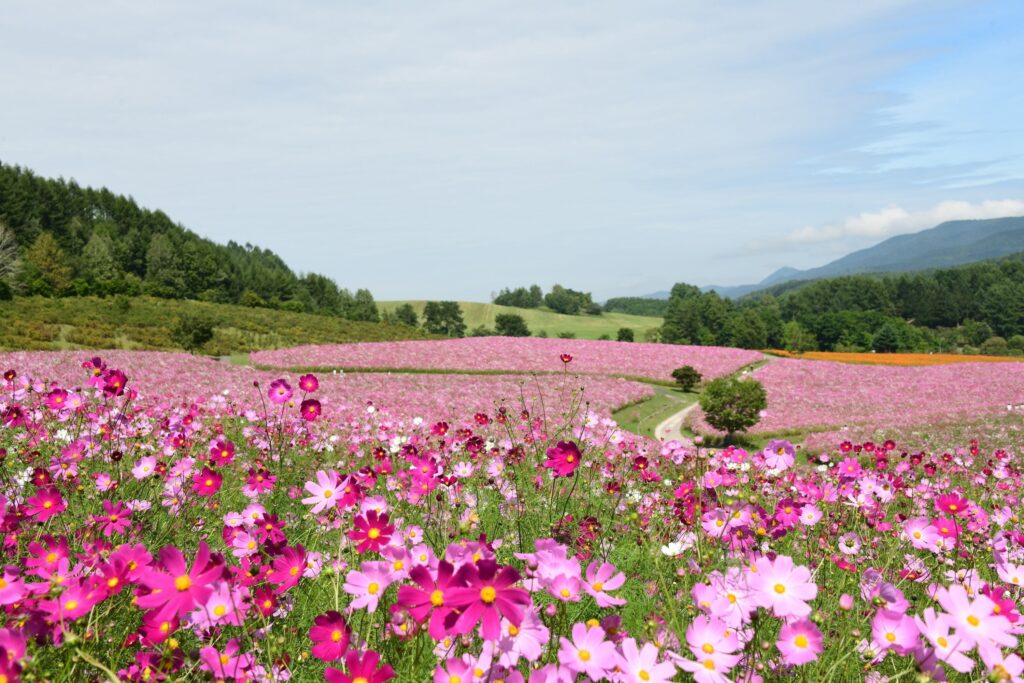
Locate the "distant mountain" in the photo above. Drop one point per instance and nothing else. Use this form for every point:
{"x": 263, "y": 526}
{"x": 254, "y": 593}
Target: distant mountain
{"x": 949, "y": 244}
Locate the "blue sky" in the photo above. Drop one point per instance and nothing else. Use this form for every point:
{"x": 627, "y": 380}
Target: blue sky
{"x": 448, "y": 149}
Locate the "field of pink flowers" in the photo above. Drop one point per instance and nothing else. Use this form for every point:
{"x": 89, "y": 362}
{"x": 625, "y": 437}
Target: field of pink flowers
{"x": 653, "y": 361}
{"x": 175, "y": 377}
{"x": 820, "y": 394}
{"x": 259, "y": 541}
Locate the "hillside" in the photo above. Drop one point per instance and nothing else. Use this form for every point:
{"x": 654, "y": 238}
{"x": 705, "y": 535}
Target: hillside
{"x": 949, "y": 244}
{"x": 538, "y": 319}
{"x": 37, "y": 323}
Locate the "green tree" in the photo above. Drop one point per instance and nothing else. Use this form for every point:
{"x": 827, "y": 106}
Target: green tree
{"x": 1002, "y": 306}
{"x": 887, "y": 340}
{"x": 363, "y": 307}
{"x": 510, "y": 325}
{"x": 995, "y": 346}
{"x": 747, "y": 330}
{"x": 687, "y": 377}
{"x": 164, "y": 276}
{"x": 10, "y": 263}
{"x": 797, "y": 339}
{"x": 732, "y": 405}
{"x": 98, "y": 263}
{"x": 47, "y": 267}
{"x": 625, "y": 334}
{"x": 445, "y": 318}
{"x": 191, "y": 331}
{"x": 406, "y": 315}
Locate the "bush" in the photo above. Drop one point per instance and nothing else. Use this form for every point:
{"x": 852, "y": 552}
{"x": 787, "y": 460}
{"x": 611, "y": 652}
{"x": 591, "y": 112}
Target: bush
{"x": 510, "y": 325}
{"x": 687, "y": 377}
{"x": 733, "y": 405}
{"x": 5, "y": 291}
{"x": 192, "y": 331}
{"x": 995, "y": 346}
{"x": 625, "y": 334}
{"x": 566, "y": 335}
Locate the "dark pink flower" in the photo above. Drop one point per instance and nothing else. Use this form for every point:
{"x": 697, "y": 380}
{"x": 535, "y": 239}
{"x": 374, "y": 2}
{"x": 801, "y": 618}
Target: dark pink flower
{"x": 362, "y": 668}
{"x": 310, "y": 409}
{"x": 488, "y": 596}
{"x": 563, "y": 459}
{"x": 330, "y": 635}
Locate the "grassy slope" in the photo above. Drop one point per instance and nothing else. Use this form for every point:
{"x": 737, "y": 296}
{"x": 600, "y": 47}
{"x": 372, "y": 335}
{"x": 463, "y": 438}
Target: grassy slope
{"x": 583, "y": 326}
{"x": 90, "y": 322}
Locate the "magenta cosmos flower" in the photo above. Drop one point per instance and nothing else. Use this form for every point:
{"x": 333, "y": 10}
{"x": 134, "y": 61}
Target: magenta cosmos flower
{"x": 115, "y": 518}
{"x": 362, "y": 668}
{"x": 45, "y": 504}
{"x": 207, "y": 482}
{"x": 799, "y": 642}
{"x": 330, "y": 635}
{"x": 310, "y": 409}
{"x": 563, "y": 459}
{"x": 309, "y": 383}
{"x": 279, "y": 392}
{"x": 372, "y": 531}
{"x": 174, "y": 588}
{"x": 488, "y": 596}
{"x": 428, "y": 597}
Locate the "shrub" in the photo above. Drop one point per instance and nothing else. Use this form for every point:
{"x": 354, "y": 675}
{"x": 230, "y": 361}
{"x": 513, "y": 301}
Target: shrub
{"x": 5, "y": 291}
{"x": 994, "y": 346}
{"x": 625, "y": 334}
{"x": 733, "y": 405}
{"x": 687, "y": 377}
{"x": 510, "y": 325}
{"x": 192, "y": 331}
{"x": 566, "y": 335}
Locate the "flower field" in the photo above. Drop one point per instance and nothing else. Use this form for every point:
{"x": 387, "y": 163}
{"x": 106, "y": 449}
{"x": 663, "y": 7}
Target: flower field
{"x": 805, "y": 395}
{"x": 653, "y": 361}
{"x": 158, "y": 529}
{"x": 897, "y": 358}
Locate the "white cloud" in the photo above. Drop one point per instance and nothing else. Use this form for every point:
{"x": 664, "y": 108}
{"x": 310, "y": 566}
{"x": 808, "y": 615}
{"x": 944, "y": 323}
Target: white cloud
{"x": 895, "y": 220}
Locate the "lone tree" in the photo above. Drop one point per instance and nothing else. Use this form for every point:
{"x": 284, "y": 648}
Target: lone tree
{"x": 444, "y": 317}
{"x": 192, "y": 331}
{"x": 687, "y": 377}
{"x": 510, "y": 325}
{"x": 733, "y": 405}
{"x": 625, "y": 334}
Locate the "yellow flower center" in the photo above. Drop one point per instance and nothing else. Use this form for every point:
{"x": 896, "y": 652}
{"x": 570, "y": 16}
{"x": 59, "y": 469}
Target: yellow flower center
{"x": 973, "y": 620}
{"x": 708, "y": 648}
{"x": 373, "y": 588}
{"x": 51, "y": 558}
{"x": 328, "y": 493}
{"x": 113, "y": 581}
{"x": 373, "y": 534}
{"x": 48, "y": 504}
{"x": 336, "y": 635}
{"x": 437, "y": 598}
{"x": 800, "y": 641}
{"x": 513, "y": 630}
{"x": 183, "y": 582}
{"x": 584, "y": 655}
{"x": 209, "y": 482}
{"x": 780, "y": 589}
{"x": 891, "y": 637}
{"x": 71, "y": 605}
{"x": 220, "y": 610}
{"x": 643, "y": 675}
{"x": 488, "y": 594}
{"x": 709, "y": 664}
{"x": 942, "y": 642}
{"x": 398, "y": 565}
{"x": 598, "y": 586}
{"x": 565, "y": 592}
{"x": 360, "y": 680}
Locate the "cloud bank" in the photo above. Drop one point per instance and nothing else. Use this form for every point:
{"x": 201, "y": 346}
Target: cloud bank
{"x": 895, "y": 220}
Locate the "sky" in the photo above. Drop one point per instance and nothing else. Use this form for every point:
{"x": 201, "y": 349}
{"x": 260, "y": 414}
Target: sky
{"x": 448, "y": 149}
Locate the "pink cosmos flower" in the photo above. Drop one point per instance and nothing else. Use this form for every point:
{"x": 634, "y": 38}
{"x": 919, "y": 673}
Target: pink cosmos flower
{"x": 946, "y": 645}
{"x": 799, "y": 642}
{"x": 174, "y": 588}
{"x": 288, "y": 568}
{"x": 145, "y": 467}
{"x": 310, "y": 409}
{"x": 487, "y": 596}
{"x": 707, "y": 636}
{"x": 525, "y": 641}
{"x": 782, "y": 586}
{"x": 323, "y": 493}
{"x": 454, "y": 669}
{"x": 895, "y": 631}
{"x": 372, "y": 532}
{"x": 588, "y": 652}
{"x": 563, "y": 459}
{"x": 429, "y": 598}
{"x": 779, "y": 455}
{"x": 974, "y": 620}
{"x": 600, "y": 580}
{"x": 227, "y": 665}
{"x": 12, "y": 587}
{"x": 279, "y": 391}
{"x": 45, "y": 504}
{"x": 115, "y": 520}
{"x": 75, "y": 602}
{"x": 330, "y": 635}
{"x": 206, "y": 482}
{"x": 640, "y": 665}
{"x": 309, "y": 383}
{"x": 222, "y": 452}
{"x": 367, "y": 585}
{"x": 362, "y": 668}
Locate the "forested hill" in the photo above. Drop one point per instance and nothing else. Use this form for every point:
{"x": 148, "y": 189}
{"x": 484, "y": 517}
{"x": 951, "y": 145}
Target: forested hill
{"x": 74, "y": 240}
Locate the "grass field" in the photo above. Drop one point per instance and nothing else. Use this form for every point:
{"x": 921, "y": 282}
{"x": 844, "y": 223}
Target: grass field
{"x": 36, "y": 323}
{"x": 641, "y": 418}
{"x": 542, "y": 319}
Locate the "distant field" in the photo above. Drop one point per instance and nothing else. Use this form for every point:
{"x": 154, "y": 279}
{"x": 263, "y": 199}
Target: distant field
{"x": 36, "y": 323}
{"x": 907, "y": 359}
{"x": 537, "y": 319}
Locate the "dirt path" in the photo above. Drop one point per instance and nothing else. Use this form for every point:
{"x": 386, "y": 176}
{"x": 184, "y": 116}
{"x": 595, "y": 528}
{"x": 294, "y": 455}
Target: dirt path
{"x": 672, "y": 426}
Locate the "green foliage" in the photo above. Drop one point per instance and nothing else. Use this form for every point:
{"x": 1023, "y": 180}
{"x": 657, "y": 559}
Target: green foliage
{"x": 570, "y": 302}
{"x": 637, "y": 306}
{"x": 444, "y": 318}
{"x": 887, "y": 340}
{"x": 510, "y": 325}
{"x": 625, "y": 334}
{"x": 995, "y": 346}
{"x": 406, "y": 315}
{"x": 5, "y": 291}
{"x": 46, "y": 270}
{"x": 251, "y": 299}
{"x": 192, "y": 331}
{"x": 362, "y": 307}
{"x": 520, "y": 297}
{"x": 481, "y": 331}
{"x": 732, "y": 405}
{"x": 687, "y": 377}
{"x": 146, "y": 323}
{"x": 566, "y": 335}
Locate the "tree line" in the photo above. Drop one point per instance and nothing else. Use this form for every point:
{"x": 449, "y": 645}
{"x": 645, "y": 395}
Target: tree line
{"x": 972, "y": 308}
{"x": 58, "y": 238}
{"x": 560, "y": 299}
